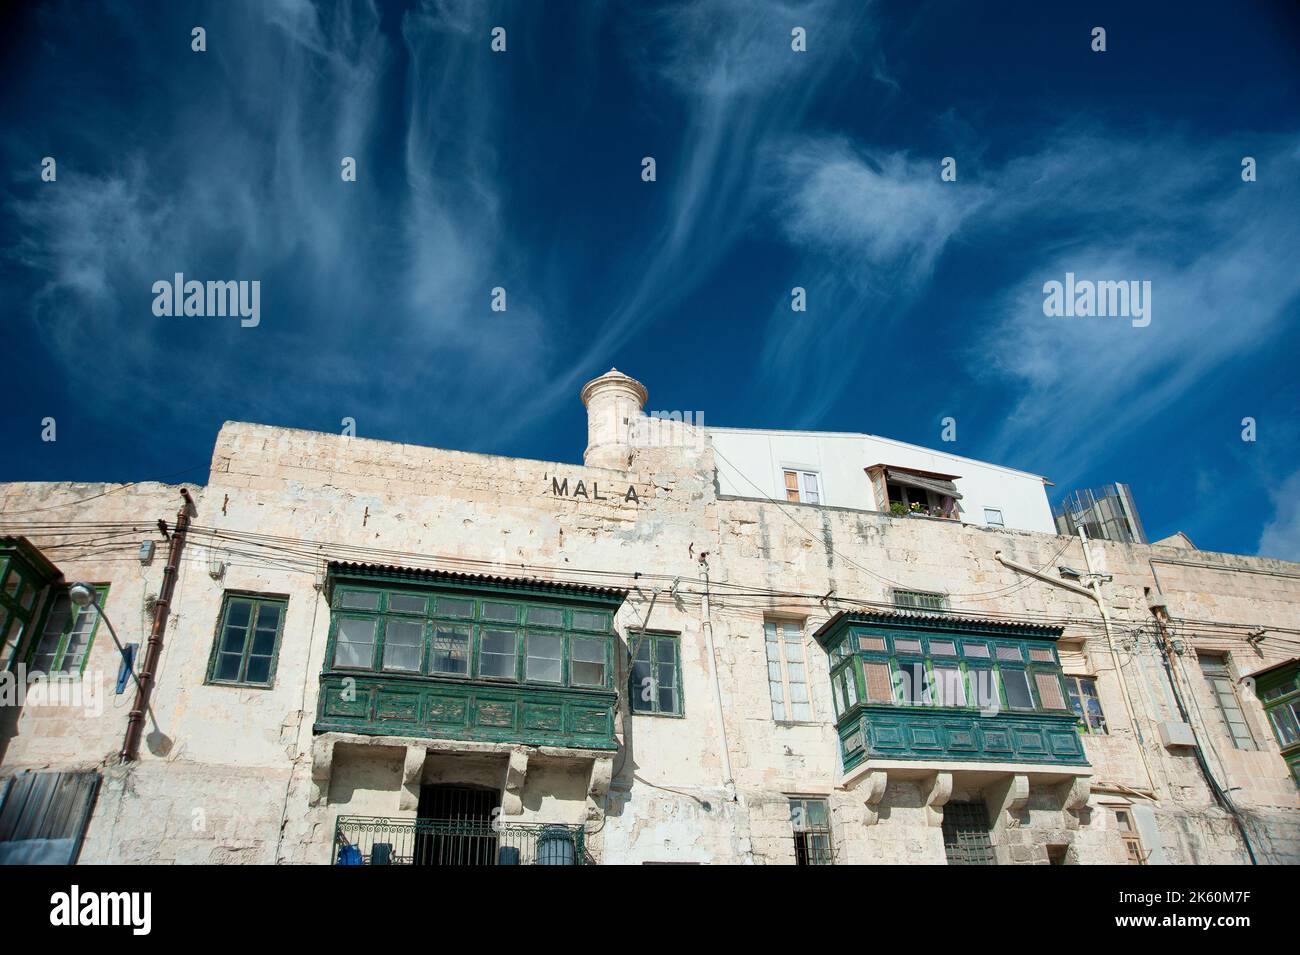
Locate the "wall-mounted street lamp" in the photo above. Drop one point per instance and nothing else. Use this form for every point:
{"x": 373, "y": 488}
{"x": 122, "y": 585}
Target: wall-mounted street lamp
{"x": 84, "y": 595}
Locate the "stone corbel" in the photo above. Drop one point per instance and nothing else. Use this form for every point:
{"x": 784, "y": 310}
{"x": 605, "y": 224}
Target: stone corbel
{"x": 412, "y": 776}
{"x": 602, "y": 772}
{"x": 873, "y": 790}
{"x": 936, "y": 795}
{"x": 1005, "y": 799}
{"x": 512, "y": 799}
{"x": 322, "y": 764}
{"x": 1073, "y": 794}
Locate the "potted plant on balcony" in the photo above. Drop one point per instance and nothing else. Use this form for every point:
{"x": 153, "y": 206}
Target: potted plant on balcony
{"x": 898, "y": 508}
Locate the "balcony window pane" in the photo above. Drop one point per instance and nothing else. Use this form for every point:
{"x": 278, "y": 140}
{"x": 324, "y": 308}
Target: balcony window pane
{"x": 1049, "y": 691}
{"x": 455, "y": 607}
{"x": 354, "y": 644}
{"x": 360, "y": 600}
{"x": 943, "y": 648}
{"x": 403, "y": 643}
{"x": 546, "y": 617}
{"x": 984, "y": 688}
{"x": 543, "y": 656}
{"x": 878, "y": 682}
{"x": 1011, "y": 654}
{"x": 1016, "y": 683}
{"x": 950, "y": 686}
{"x": 976, "y": 651}
{"x": 583, "y": 620}
{"x": 450, "y": 650}
{"x": 506, "y": 613}
{"x": 904, "y": 645}
{"x": 497, "y": 653}
{"x": 1285, "y": 724}
{"x": 406, "y": 603}
{"x": 587, "y": 663}
{"x": 912, "y": 683}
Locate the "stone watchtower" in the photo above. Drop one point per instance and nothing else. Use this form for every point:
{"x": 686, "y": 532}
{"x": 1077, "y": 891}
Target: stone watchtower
{"x": 614, "y": 405}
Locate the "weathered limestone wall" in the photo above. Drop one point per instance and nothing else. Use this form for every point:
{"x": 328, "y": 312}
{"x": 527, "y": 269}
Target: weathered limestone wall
{"x": 280, "y": 503}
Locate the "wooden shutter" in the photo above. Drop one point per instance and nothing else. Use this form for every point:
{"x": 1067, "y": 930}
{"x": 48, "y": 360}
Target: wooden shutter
{"x": 879, "y": 688}
{"x": 1049, "y": 691}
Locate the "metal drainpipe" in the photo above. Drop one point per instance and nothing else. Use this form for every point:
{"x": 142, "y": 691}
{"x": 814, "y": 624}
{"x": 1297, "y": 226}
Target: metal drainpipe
{"x": 707, "y": 622}
{"x": 1220, "y": 795}
{"x": 135, "y": 719}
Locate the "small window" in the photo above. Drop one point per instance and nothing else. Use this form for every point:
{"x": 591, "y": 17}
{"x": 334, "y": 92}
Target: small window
{"x": 67, "y": 635}
{"x": 943, "y": 648}
{"x": 993, "y": 517}
{"x": 359, "y": 600}
{"x": 407, "y": 603}
{"x": 501, "y": 613}
{"x": 455, "y": 607}
{"x": 976, "y": 651}
{"x": 1049, "y": 691}
{"x": 655, "y": 677}
{"x": 248, "y": 639}
{"x": 811, "y": 821}
{"x": 920, "y": 600}
{"x": 590, "y": 620}
{"x": 803, "y": 487}
{"x": 871, "y": 644}
{"x": 1128, "y": 834}
{"x": 787, "y": 672}
{"x": 1011, "y": 654}
{"x": 552, "y": 617}
{"x": 1081, "y": 692}
{"x": 907, "y": 645}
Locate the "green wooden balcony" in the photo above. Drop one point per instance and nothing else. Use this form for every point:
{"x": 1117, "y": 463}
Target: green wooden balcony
{"x": 453, "y": 656}
{"x": 472, "y": 710}
{"x": 919, "y": 686}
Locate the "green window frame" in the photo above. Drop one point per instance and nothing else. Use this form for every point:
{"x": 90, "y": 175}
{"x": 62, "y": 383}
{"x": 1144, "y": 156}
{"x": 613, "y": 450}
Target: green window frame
{"x": 655, "y": 674}
{"x": 1279, "y": 693}
{"x": 944, "y": 671}
{"x": 1081, "y": 691}
{"x": 464, "y": 635}
{"x": 66, "y": 634}
{"x": 19, "y": 595}
{"x": 247, "y": 642}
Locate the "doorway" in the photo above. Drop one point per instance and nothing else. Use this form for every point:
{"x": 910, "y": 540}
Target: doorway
{"x": 455, "y": 825}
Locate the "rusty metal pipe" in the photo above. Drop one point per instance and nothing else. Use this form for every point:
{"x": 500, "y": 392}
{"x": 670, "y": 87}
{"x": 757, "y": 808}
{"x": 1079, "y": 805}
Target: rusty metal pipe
{"x": 153, "y": 650}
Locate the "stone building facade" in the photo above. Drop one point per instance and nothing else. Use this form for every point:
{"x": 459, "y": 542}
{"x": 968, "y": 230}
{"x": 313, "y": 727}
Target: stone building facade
{"x": 362, "y": 634}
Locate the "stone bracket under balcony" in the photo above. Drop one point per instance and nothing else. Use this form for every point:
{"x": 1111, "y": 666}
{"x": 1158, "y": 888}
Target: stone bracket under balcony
{"x": 417, "y": 750}
{"x": 1004, "y": 787}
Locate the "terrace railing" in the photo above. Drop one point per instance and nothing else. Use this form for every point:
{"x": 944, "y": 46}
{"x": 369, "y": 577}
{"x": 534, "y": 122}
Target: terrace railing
{"x": 376, "y": 840}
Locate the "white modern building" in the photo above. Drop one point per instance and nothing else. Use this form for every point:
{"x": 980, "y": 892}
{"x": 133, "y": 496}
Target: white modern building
{"x": 869, "y": 473}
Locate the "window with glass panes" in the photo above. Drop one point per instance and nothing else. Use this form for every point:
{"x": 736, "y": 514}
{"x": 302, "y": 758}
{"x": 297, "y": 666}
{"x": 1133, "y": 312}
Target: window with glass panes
{"x": 787, "y": 671}
{"x": 1081, "y": 691}
{"x": 1217, "y": 674}
{"x": 943, "y": 670}
{"x": 811, "y": 821}
{"x": 18, "y": 593}
{"x": 439, "y": 632}
{"x": 248, "y": 640}
{"x": 654, "y": 683}
{"x": 1279, "y": 692}
{"x": 67, "y": 633}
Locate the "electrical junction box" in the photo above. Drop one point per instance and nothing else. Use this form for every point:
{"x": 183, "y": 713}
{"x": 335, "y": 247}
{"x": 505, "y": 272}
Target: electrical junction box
{"x": 1174, "y": 733}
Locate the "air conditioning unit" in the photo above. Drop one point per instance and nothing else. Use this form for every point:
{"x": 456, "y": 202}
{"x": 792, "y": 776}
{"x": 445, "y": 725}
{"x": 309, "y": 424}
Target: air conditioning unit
{"x": 1174, "y": 733}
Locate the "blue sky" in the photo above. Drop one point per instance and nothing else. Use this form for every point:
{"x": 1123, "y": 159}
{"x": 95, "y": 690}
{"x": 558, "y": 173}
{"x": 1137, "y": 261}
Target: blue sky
{"x": 775, "y": 169}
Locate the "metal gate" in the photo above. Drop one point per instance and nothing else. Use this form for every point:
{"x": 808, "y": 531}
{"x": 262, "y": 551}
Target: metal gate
{"x": 966, "y": 834}
{"x": 464, "y": 834}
